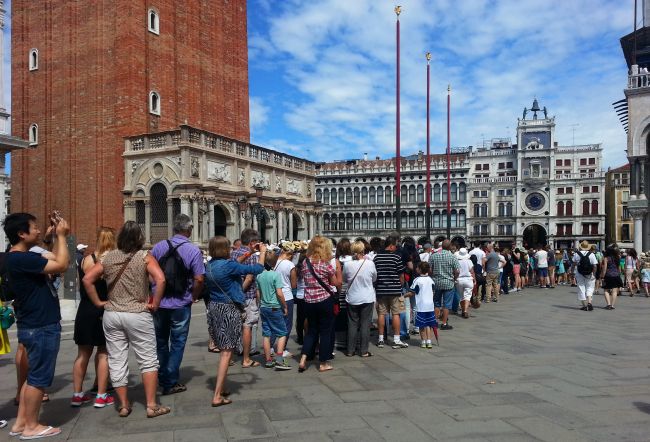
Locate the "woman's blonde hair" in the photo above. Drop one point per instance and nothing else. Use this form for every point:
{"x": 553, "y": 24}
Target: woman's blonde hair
{"x": 358, "y": 248}
{"x": 320, "y": 248}
{"x": 106, "y": 241}
{"x": 219, "y": 247}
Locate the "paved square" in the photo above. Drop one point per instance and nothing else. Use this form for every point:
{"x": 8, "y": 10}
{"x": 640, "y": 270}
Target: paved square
{"x": 532, "y": 367}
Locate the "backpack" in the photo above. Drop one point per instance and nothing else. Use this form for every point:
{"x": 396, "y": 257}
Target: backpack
{"x": 6, "y": 293}
{"x": 585, "y": 268}
{"x": 176, "y": 274}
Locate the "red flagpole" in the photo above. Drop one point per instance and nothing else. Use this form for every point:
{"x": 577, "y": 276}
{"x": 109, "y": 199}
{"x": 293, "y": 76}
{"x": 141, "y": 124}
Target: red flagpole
{"x": 428, "y": 187}
{"x": 398, "y": 159}
{"x": 448, "y": 163}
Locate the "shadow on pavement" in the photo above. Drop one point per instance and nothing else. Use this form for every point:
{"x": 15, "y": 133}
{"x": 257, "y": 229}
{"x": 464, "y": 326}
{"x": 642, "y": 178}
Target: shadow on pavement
{"x": 643, "y": 407}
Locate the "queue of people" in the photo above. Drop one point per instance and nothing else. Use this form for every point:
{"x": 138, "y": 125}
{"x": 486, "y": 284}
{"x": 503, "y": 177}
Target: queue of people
{"x": 140, "y": 300}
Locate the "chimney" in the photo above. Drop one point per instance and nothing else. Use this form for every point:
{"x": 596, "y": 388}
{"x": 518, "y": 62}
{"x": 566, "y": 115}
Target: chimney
{"x": 365, "y": 156}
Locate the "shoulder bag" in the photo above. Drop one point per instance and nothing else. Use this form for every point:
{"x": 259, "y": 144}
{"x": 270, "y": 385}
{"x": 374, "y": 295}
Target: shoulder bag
{"x": 355, "y": 275}
{"x": 114, "y": 282}
{"x": 240, "y": 306}
{"x": 328, "y": 289}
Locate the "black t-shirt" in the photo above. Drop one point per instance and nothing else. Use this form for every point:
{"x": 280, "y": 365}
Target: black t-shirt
{"x": 36, "y": 303}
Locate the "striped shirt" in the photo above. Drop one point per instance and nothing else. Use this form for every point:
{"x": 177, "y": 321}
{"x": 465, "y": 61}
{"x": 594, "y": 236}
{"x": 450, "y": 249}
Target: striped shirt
{"x": 443, "y": 265}
{"x": 389, "y": 268}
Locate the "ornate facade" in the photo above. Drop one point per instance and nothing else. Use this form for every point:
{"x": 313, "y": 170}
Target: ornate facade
{"x": 223, "y": 184}
{"x": 620, "y": 226}
{"x": 358, "y": 196}
{"x": 535, "y": 191}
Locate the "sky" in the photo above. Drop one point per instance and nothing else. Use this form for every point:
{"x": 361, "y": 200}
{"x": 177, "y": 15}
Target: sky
{"x": 322, "y": 73}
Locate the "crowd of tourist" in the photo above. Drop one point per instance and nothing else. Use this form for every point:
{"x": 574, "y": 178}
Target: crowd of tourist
{"x": 131, "y": 298}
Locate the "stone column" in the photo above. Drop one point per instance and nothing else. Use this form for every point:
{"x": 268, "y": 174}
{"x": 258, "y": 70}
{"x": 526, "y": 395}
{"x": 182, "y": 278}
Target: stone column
{"x": 272, "y": 231}
{"x": 147, "y": 221}
{"x": 638, "y": 216}
{"x": 280, "y": 226}
{"x": 312, "y": 229}
{"x": 290, "y": 233}
{"x": 210, "y": 230}
{"x": 185, "y": 204}
{"x": 170, "y": 217}
{"x": 195, "y": 220}
{"x": 129, "y": 210}
{"x": 255, "y": 223}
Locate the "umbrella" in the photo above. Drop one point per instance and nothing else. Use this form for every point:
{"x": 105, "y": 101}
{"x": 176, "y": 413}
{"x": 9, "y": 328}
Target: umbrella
{"x": 435, "y": 331}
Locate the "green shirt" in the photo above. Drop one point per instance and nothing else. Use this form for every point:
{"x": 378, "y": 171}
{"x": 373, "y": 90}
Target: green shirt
{"x": 443, "y": 265}
{"x": 267, "y": 283}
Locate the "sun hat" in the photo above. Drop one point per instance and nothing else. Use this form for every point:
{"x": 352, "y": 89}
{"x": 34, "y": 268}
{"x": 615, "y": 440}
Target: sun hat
{"x": 584, "y": 245}
{"x": 462, "y": 253}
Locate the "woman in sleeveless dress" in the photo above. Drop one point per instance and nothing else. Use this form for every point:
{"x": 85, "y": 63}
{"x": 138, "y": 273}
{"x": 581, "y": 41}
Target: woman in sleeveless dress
{"x": 610, "y": 275}
{"x": 88, "y": 328}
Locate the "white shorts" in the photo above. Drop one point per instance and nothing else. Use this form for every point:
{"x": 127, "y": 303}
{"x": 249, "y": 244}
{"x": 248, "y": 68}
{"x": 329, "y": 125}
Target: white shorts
{"x": 465, "y": 286}
{"x": 585, "y": 286}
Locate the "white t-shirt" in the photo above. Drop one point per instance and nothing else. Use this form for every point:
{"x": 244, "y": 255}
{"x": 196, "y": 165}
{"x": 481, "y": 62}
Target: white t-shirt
{"x": 542, "y": 259}
{"x": 362, "y": 290}
{"x": 465, "y": 268}
{"x": 423, "y": 288}
{"x": 480, "y": 254}
{"x": 284, "y": 267}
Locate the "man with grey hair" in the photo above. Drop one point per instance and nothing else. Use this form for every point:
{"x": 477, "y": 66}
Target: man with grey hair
{"x": 182, "y": 263}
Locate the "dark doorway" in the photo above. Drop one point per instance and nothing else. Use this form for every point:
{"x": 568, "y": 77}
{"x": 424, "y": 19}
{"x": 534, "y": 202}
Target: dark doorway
{"x": 534, "y": 235}
{"x": 261, "y": 227}
{"x": 296, "y": 227}
{"x": 220, "y": 222}
{"x": 159, "y": 219}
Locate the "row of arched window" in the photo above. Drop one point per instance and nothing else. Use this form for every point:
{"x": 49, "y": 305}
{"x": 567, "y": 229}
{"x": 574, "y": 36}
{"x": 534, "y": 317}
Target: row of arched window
{"x": 565, "y": 208}
{"x": 388, "y": 220}
{"x": 503, "y": 209}
{"x": 386, "y": 195}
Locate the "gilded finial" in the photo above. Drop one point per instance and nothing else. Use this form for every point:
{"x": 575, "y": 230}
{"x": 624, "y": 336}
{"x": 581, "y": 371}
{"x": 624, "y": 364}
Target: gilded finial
{"x": 428, "y": 56}
{"x": 398, "y": 10}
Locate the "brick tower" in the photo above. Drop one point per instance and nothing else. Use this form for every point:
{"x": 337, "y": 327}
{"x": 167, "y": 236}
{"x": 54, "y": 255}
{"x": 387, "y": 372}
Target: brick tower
{"x": 87, "y": 74}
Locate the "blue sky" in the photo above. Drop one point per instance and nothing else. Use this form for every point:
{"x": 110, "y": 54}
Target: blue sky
{"x": 322, "y": 73}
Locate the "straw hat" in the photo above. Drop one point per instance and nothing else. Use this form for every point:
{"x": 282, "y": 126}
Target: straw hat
{"x": 584, "y": 245}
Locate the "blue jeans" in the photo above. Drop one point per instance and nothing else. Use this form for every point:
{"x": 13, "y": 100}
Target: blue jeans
{"x": 456, "y": 302}
{"x": 172, "y": 327}
{"x": 403, "y": 326}
{"x": 42, "y": 346}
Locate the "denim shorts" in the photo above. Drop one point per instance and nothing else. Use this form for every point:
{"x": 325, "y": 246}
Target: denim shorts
{"x": 444, "y": 298}
{"x": 542, "y": 272}
{"x": 273, "y": 323}
{"x": 42, "y": 346}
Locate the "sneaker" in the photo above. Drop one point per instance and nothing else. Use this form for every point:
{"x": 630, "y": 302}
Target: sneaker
{"x": 101, "y": 402}
{"x": 282, "y": 365}
{"x": 447, "y": 326}
{"x": 429, "y": 345}
{"x": 495, "y": 300}
{"x": 423, "y": 345}
{"x": 78, "y": 401}
{"x": 380, "y": 344}
{"x": 590, "y": 307}
{"x": 400, "y": 344}
{"x": 287, "y": 354}
{"x": 269, "y": 364}
{"x": 584, "y": 308}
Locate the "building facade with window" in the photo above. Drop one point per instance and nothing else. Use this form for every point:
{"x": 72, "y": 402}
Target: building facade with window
{"x": 85, "y": 81}
{"x": 620, "y": 225}
{"x": 358, "y": 196}
{"x": 535, "y": 191}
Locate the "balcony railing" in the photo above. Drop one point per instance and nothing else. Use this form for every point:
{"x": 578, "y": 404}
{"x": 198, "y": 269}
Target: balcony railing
{"x": 497, "y": 179}
{"x": 572, "y": 176}
{"x": 638, "y": 81}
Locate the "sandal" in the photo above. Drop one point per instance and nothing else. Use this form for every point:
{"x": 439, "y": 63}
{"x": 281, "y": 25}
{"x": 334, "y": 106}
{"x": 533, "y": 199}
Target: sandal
{"x": 302, "y": 368}
{"x": 214, "y": 350}
{"x": 327, "y": 368}
{"x": 224, "y": 401}
{"x": 158, "y": 410}
{"x": 124, "y": 411}
{"x": 366, "y": 355}
{"x": 251, "y": 365}
{"x": 178, "y": 388}
{"x": 349, "y": 355}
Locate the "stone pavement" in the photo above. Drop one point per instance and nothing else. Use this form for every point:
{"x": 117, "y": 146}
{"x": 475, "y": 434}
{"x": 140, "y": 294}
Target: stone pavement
{"x": 532, "y": 367}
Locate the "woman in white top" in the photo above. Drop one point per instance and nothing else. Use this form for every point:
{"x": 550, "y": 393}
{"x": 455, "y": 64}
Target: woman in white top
{"x": 466, "y": 280}
{"x": 632, "y": 271}
{"x": 287, "y": 271}
{"x": 359, "y": 275}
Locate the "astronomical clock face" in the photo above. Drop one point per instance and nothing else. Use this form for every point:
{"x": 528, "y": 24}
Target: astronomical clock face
{"x": 536, "y": 140}
{"x": 535, "y": 202}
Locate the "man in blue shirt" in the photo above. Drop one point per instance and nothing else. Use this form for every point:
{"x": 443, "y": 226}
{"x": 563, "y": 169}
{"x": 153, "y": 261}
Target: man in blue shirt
{"x": 172, "y": 320}
{"x": 38, "y": 314}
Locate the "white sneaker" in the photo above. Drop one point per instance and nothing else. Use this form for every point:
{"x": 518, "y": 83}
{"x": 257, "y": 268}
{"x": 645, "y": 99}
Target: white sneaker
{"x": 400, "y": 344}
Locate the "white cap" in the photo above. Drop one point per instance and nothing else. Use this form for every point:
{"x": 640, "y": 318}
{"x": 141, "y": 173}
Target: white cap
{"x": 81, "y": 247}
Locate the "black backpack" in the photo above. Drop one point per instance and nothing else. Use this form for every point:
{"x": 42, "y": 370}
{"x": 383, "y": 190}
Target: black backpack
{"x": 177, "y": 275}
{"x": 6, "y": 294}
{"x": 585, "y": 268}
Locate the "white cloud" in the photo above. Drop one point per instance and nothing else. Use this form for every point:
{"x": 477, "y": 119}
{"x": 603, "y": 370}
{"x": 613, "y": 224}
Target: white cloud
{"x": 339, "y": 59}
{"x": 258, "y": 112}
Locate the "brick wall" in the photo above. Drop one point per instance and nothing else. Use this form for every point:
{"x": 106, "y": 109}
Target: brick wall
{"x": 97, "y": 65}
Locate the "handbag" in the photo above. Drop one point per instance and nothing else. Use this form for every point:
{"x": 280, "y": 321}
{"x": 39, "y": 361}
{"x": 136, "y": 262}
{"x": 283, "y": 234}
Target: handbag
{"x": 7, "y": 317}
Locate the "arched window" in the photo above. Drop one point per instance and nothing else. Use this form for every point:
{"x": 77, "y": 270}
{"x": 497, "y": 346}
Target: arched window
{"x": 412, "y": 221}
{"x": 158, "y": 196}
{"x": 33, "y": 134}
{"x": 372, "y": 196}
{"x": 462, "y": 192}
{"x": 454, "y": 218}
{"x": 154, "y": 103}
{"x": 568, "y": 208}
{"x": 443, "y": 219}
{"x": 153, "y": 21}
{"x": 387, "y": 194}
{"x": 412, "y": 194}
{"x": 380, "y": 221}
{"x": 357, "y": 221}
{"x": 404, "y": 194}
{"x": 454, "y": 190}
{"x": 477, "y": 210}
{"x": 326, "y": 196}
{"x": 462, "y": 218}
{"x": 484, "y": 210}
{"x": 326, "y": 222}
{"x": 348, "y": 196}
{"x": 334, "y": 196}
{"x": 342, "y": 196}
{"x": 334, "y": 223}
{"x": 364, "y": 221}
{"x": 509, "y": 208}
{"x": 585, "y": 207}
{"x": 348, "y": 222}
{"x": 364, "y": 196}
{"x": 436, "y": 218}
{"x": 373, "y": 221}
{"x": 502, "y": 209}
{"x": 594, "y": 207}
{"x": 357, "y": 196}
{"x": 319, "y": 196}
{"x": 560, "y": 208}
{"x": 444, "y": 192}
{"x": 436, "y": 192}
{"x": 420, "y": 195}
{"x": 420, "y": 220}
{"x": 380, "y": 195}
{"x": 33, "y": 59}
